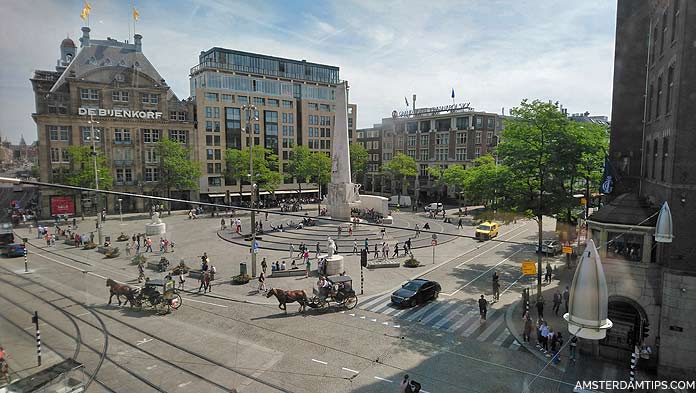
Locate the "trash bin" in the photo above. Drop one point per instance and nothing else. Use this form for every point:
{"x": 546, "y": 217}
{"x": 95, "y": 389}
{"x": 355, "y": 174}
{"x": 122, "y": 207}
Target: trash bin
{"x": 242, "y": 268}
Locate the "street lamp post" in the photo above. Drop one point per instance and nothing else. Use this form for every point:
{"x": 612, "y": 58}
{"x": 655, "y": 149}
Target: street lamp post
{"x": 417, "y": 185}
{"x": 120, "y": 209}
{"x": 251, "y": 115}
{"x": 96, "y": 176}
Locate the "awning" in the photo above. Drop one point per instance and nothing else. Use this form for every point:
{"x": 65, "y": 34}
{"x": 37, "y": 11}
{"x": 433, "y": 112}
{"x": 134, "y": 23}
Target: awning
{"x": 247, "y": 193}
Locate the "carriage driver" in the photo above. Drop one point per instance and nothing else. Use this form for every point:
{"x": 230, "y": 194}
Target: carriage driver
{"x": 325, "y": 287}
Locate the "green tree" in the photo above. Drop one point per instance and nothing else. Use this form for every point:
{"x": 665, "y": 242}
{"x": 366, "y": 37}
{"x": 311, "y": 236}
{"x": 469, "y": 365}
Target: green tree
{"x": 400, "y": 167}
{"x": 82, "y": 169}
{"x": 177, "y": 170}
{"x": 319, "y": 165}
{"x": 299, "y": 165}
{"x": 265, "y": 168}
{"x": 358, "y": 160}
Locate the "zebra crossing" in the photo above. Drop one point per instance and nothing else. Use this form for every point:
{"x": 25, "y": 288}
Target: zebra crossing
{"x": 451, "y": 316}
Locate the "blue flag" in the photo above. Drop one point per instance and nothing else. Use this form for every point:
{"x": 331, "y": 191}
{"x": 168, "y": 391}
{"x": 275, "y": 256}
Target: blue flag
{"x": 607, "y": 185}
{"x": 452, "y": 92}
{"x": 406, "y": 99}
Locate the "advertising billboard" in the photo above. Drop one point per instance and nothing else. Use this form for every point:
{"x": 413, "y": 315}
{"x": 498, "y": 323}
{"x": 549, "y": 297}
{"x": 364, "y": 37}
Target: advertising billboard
{"x": 62, "y": 205}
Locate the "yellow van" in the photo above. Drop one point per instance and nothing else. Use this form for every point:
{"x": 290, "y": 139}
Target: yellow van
{"x": 487, "y": 230}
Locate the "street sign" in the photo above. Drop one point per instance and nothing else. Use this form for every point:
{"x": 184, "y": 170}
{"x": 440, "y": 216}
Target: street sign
{"x": 529, "y": 267}
{"x": 583, "y": 201}
{"x": 567, "y": 250}
{"x": 434, "y": 236}
{"x": 433, "y": 242}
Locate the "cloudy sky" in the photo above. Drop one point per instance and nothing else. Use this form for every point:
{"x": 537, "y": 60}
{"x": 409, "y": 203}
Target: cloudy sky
{"x": 494, "y": 53}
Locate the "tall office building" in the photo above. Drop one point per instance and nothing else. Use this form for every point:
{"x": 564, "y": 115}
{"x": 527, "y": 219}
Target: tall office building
{"x": 295, "y": 103}
{"x": 113, "y": 84}
{"x": 652, "y": 285}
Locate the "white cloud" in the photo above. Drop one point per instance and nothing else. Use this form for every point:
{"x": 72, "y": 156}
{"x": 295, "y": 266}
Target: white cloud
{"x": 494, "y": 53}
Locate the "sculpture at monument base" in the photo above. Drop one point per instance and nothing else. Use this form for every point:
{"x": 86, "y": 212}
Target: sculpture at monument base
{"x": 156, "y": 227}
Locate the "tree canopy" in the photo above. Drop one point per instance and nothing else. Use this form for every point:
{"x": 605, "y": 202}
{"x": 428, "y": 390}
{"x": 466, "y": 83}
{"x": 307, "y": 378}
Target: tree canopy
{"x": 177, "y": 170}
{"x": 299, "y": 165}
{"x": 265, "y": 167}
{"x": 82, "y": 172}
{"x": 358, "y": 160}
{"x": 401, "y": 166}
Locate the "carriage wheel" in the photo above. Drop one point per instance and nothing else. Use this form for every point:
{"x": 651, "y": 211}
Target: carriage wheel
{"x": 323, "y": 305}
{"x": 175, "y": 301}
{"x": 351, "y": 302}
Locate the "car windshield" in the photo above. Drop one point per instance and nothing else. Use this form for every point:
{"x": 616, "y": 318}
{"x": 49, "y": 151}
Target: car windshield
{"x": 412, "y": 286}
{"x": 484, "y": 227}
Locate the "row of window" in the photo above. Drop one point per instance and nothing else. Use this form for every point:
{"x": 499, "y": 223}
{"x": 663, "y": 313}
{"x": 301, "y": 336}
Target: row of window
{"x": 258, "y": 101}
{"x": 121, "y": 135}
{"x": 655, "y": 156}
{"x": 658, "y": 102}
{"x": 319, "y": 144}
{"x": 441, "y": 154}
{"x": 119, "y": 96}
{"x": 461, "y": 123}
{"x": 662, "y": 32}
{"x": 319, "y": 132}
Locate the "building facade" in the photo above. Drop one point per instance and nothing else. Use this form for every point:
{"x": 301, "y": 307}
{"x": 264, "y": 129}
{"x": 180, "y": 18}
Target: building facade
{"x": 371, "y": 140}
{"x": 652, "y": 287}
{"x": 435, "y": 137}
{"x": 112, "y": 84}
{"x": 295, "y": 105}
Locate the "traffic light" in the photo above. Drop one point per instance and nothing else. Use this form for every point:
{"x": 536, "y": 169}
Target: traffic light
{"x": 646, "y": 329}
{"x": 363, "y": 258}
{"x": 227, "y": 197}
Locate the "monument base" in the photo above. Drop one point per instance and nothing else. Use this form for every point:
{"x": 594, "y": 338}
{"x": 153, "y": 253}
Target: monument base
{"x": 155, "y": 229}
{"x": 334, "y": 264}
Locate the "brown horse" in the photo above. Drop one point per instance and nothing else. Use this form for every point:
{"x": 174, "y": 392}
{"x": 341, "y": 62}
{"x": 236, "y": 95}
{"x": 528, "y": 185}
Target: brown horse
{"x": 120, "y": 289}
{"x": 285, "y": 297}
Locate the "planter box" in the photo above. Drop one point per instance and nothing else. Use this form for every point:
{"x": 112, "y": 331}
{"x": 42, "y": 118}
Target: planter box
{"x": 288, "y": 273}
{"x": 104, "y": 250}
{"x": 198, "y": 274}
{"x": 381, "y": 264}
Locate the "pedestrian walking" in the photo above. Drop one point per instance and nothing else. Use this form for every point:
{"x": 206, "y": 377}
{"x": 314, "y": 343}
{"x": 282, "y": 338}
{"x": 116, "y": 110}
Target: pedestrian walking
{"x": 292, "y": 249}
{"x": 202, "y": 280}
{"x": 573, "y": 348}
{"x": 222, "y": 224}
{"x": 182, "y": 280}
{"x": 459, "y": 224}
{"x": 355, "y": 247}
{"x": 483, "y": 308}
{"x": 141, "y": 272}
{"x": 339, "y": 230}
{"x": 525, "y": 301}
{"x": 528, "y": 326}
{"x": 396, "y": 250}
{"x": 566, "y": 298}
{"x": 540, "y": 307}
{"x": 266, "y": 216}
{"x": 262, "y": 282}
{"x": 207, "y": 277}
{"x": 549, "y": 271}
{"x": 137, "y": 248}
{"x": 350, "y": 231}
{"x": 367, "y": 245}
{"x": 91, "y": 237}
{"x": 264, "y": 265}
{"x": 544, "y": 337}
{"x": 556, "y": 302}
{"x": 417, "y": 228}
{"x": 496, "y": 286}
{"x": 128, "y": 248}
{"x": 376, "y": 252}
{"x": 308, "y": 266}
{"x": 382, "y": 232}
{"x": 318, "y": 251}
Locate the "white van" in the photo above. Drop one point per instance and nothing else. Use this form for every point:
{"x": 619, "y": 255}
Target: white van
{"x": 401, "y": 201}
{"x": 434, "y": 207}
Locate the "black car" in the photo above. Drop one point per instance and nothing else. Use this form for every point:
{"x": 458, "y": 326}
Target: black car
{"x": 416, "y": 292}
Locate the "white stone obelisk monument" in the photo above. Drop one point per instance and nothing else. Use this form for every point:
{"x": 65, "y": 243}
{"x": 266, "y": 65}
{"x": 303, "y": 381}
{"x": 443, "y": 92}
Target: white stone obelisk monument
{"x": 342, "y": 192}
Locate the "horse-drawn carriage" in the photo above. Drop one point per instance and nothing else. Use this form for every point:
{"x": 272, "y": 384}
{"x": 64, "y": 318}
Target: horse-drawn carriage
{"x": 339, "y": 289}
{"x": 157, "y": 294}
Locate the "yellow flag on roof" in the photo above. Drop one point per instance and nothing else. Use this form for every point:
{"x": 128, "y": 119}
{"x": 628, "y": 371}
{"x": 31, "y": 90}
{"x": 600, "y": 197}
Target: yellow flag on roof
{"x": 84, "y": 14}
{"x": 88, "y": 7}
{"x": 136, "y": 14}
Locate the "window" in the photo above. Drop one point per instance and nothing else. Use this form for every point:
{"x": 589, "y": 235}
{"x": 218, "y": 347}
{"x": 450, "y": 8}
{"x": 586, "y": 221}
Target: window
{"x": 180, "y": 136}
{"x": 288, "y": 117}
{"x": 258, "y": 101}
{"x": 478, "y": 151}
{"x": 654, "y": 45}
{"x": 270, "y": 116}
{"x": 59, "y": 133}
{"x": 183, "y": 116}
{"x": 489, "y": 138}
{"x": 659, "y": 97}
{"x": 119, "y": 96}
{"x": 151, "y": 174}
{"x": 461, "y": 138}
{"x": 122, "y": 135}
{"x": 227, "y": 98}
{"x": 173, "y": 116}
{"x": 214, "y": 181}
{"x": 425, "y": 126}
{"x": 89, "y": 94}
{"x": 212, "y": 112}
{"x": 324, "y": 107}
{"x": 670, "y": 87}
{"x": 65, "y": 155}
{"x": 652, "y": 171}
{"x": 211, "y": 97}
{"x": 313, "y": 106}
{"x": 441, "y": 153}
{"x": 443, "y": 124}
{"x": 151, "y": 156}
{"x": 87, "y": 134}
{"x": 55, "y": 154}
{"x": 423, "y": 154}
{"x": 124, "y": 175}
{"x": 462, "y": 123}
{"x": 151, "y": 99}
{"x": 350, "y": 122}
{"x": 478, "y": 138}
{"x": 424, "y": 140}
{"x": 243, "y": 100}
{"x": 442, "y": 138}
{"x": 675, "y": 16}
{"x": 479, "y": 122}
{"x": 411, "y": 153}
{"x": 272, "y": 102}
{"x": 412, "y": 127}
{"x": 212, "y": 140}
{"x": 665, "y": 153}
{"x": 460, "y": 154}
{"x": 664, "y": 31}
{"x": 490, "y": 123}
{"x": 424, "y": 170}
{"x": 150, "y": 136}
{"x": 650, "y": 101}
{"x": 287, "y": 104}
{"x": 387, "y": 156}
{"x": 411, "y": 140}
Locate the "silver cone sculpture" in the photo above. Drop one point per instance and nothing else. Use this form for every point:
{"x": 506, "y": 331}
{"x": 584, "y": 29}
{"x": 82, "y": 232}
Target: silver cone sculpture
{"x": 663, "y": 229}
{"x": 587, "y": 314}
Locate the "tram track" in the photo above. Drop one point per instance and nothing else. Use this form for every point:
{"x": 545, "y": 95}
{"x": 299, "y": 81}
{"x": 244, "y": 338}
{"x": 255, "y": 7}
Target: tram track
{"x": 154, "y": 337}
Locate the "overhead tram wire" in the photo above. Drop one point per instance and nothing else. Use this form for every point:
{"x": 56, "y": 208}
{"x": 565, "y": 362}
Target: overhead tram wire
{"x": 242, "y": 208}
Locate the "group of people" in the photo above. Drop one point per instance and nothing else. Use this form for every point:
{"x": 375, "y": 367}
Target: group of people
{"x": 207, "y": 274}
{"x": 165, "y": 245}
{"x": 384, "y": 249}
{"x": 549, "y": 341}
{"x": 69, "y": 233}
